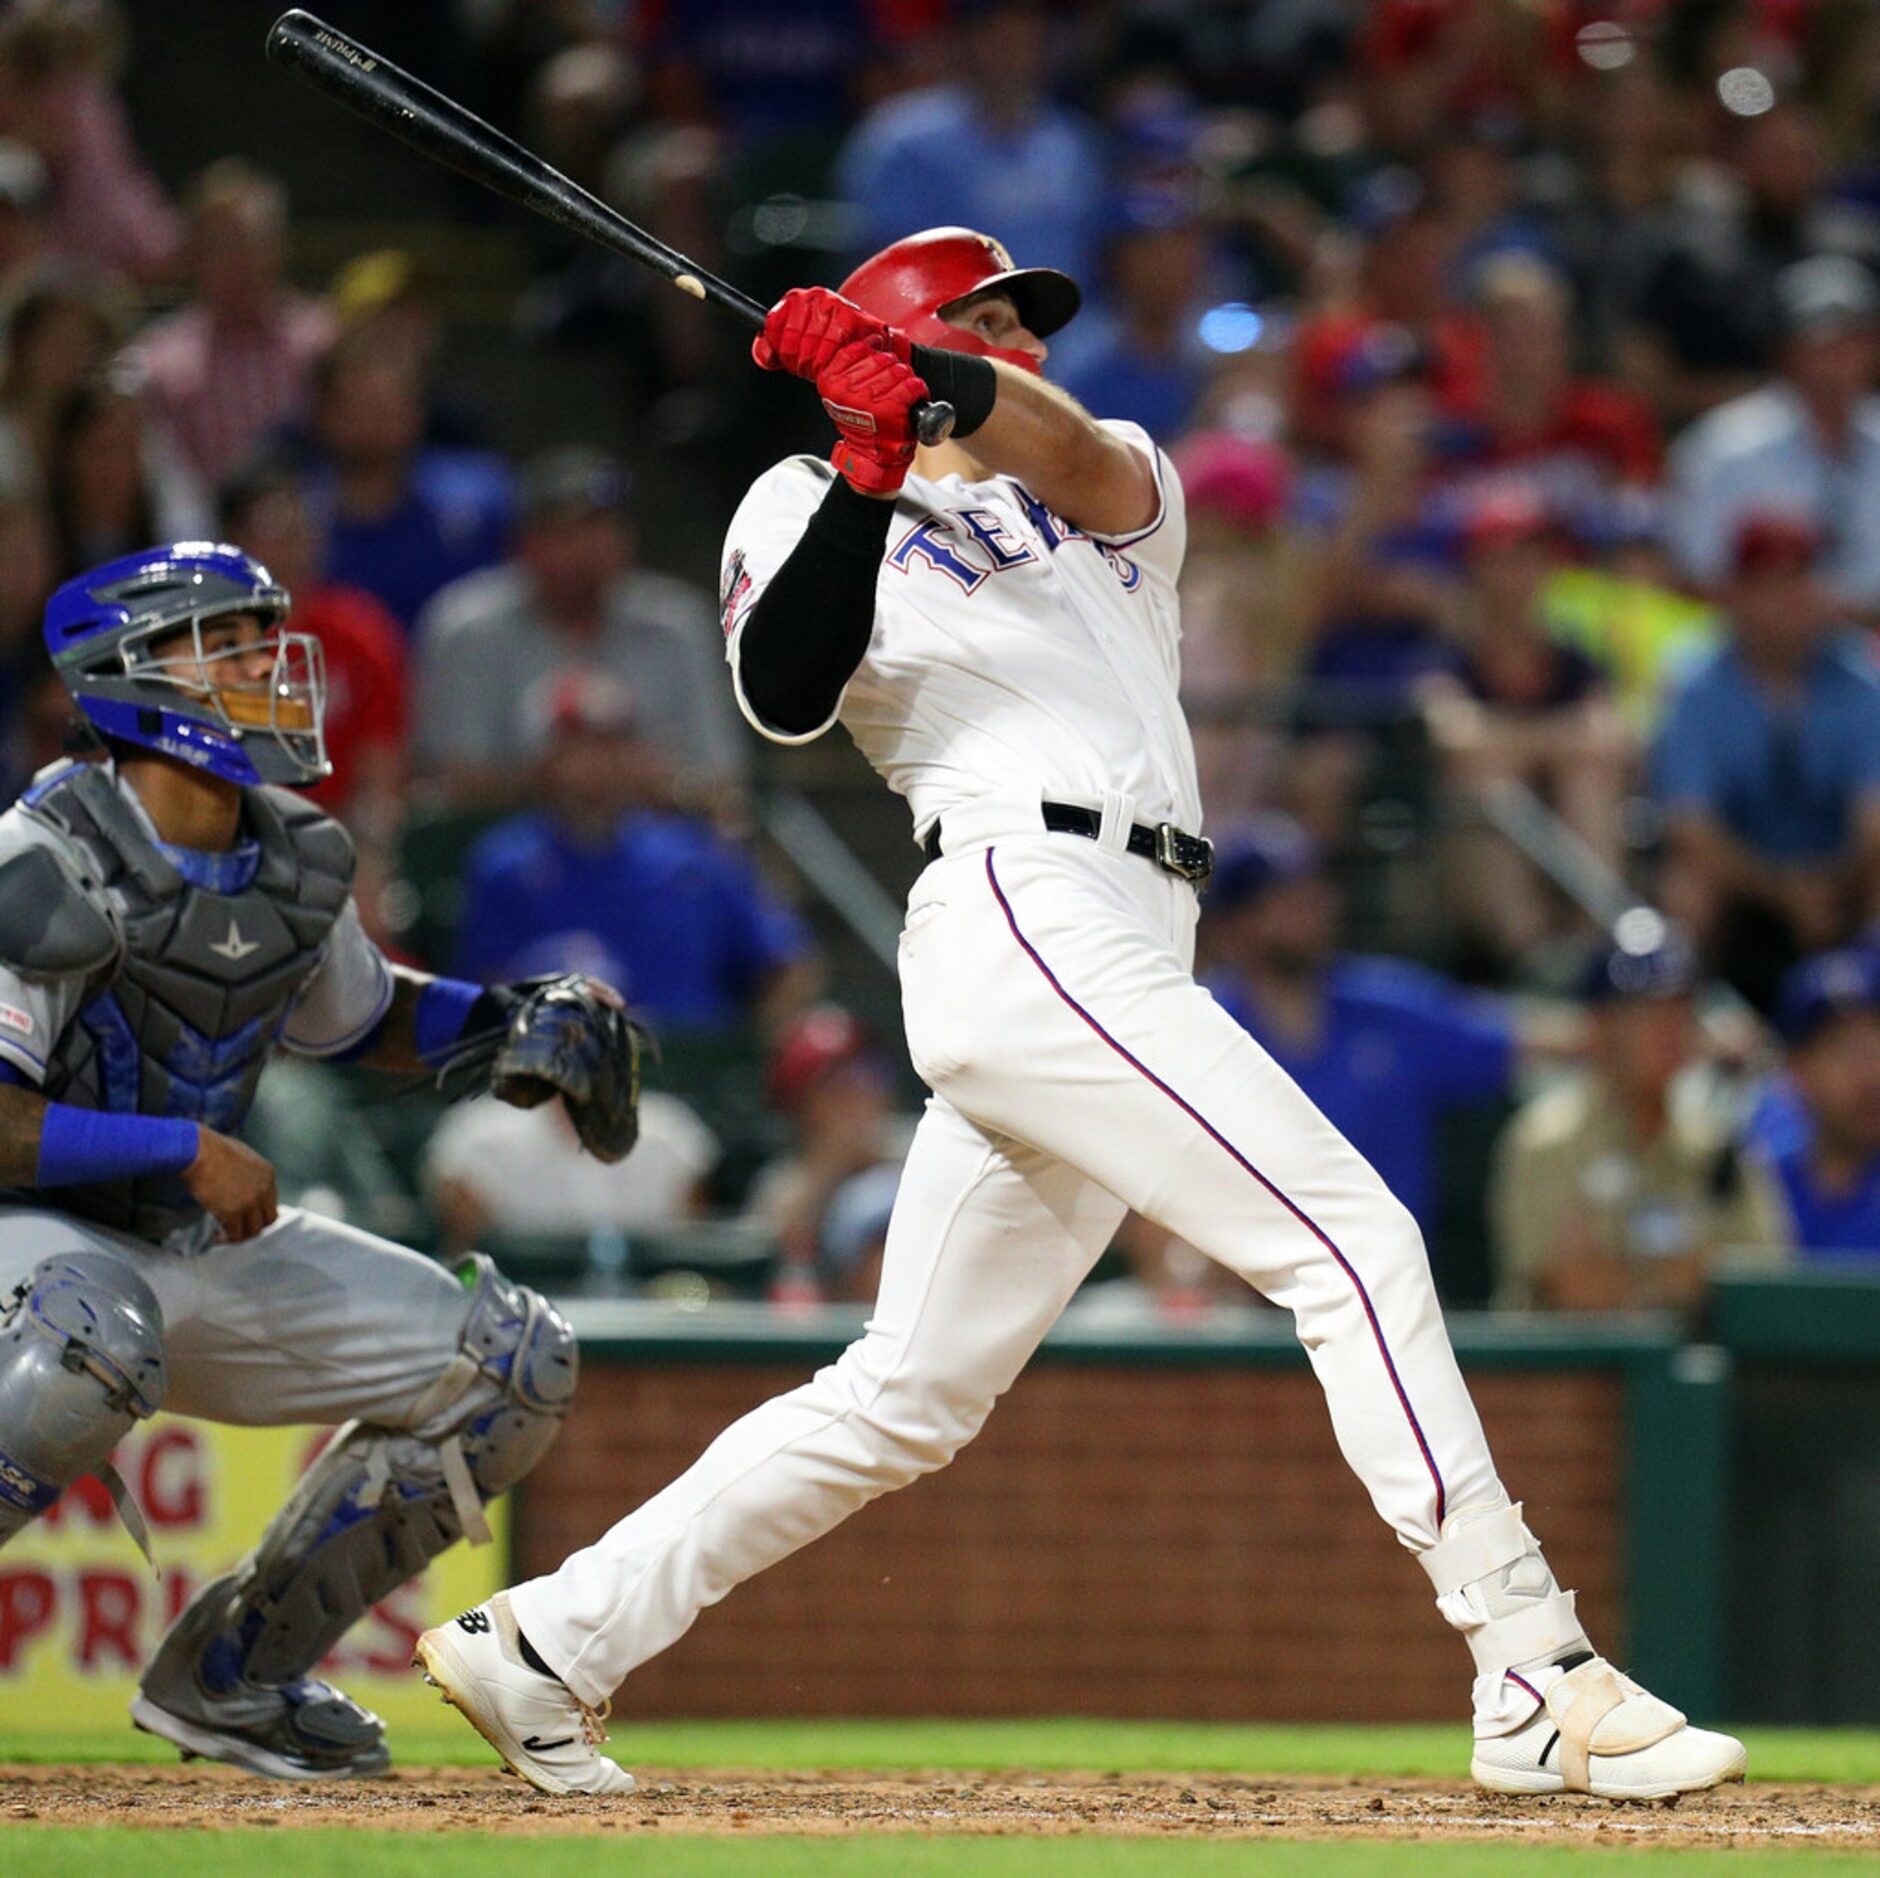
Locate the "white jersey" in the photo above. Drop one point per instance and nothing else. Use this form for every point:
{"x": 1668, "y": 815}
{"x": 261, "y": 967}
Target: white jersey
{"x": 1015, "y": 658}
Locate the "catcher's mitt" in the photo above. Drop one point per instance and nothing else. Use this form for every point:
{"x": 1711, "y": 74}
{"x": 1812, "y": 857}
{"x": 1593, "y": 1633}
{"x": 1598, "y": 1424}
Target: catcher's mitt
{"x": 566, "y": 1036}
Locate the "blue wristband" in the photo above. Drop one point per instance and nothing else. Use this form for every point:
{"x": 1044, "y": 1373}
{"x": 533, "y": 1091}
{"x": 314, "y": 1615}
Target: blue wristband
{"x": 84, "y": 1145}
{"x": 443, "y": 1009}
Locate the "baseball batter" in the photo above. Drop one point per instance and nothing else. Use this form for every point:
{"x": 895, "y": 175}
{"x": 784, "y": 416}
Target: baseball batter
{"x": 167, "y": 915}
{"x": 994, "y": 620}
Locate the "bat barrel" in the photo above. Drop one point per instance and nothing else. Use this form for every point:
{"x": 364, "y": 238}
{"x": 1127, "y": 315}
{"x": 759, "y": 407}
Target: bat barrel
{"x": 409, "y": 109}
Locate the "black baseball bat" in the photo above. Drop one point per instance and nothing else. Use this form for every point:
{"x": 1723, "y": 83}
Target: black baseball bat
{"x": 443, "y": 130}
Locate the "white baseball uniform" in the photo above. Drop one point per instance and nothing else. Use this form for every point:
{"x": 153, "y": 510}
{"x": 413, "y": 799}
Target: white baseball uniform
{"x": 1077, "y": 1069}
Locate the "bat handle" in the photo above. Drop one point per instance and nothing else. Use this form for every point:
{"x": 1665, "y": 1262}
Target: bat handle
{"x": 933, "y": 421}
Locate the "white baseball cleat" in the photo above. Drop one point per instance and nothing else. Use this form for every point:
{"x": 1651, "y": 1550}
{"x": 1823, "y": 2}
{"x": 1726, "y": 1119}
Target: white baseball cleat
{"x": 545, "y": 1734}
{"x": 1596, "y": 1731}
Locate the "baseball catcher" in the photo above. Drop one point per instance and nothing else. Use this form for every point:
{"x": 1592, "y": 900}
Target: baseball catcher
{"x": 168, "y": 915}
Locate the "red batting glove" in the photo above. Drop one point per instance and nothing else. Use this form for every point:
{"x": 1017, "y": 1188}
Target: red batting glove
{"x": 871, "y": 396}
{"x": 807, "y": 328}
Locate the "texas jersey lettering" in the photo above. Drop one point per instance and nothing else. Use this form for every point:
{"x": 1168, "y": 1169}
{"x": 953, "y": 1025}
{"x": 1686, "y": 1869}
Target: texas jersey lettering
{"x": 1012, "y": 651}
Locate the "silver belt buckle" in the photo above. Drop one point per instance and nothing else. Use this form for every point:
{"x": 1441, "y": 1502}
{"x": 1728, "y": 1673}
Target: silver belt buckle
{"x": 1190, "y": 857}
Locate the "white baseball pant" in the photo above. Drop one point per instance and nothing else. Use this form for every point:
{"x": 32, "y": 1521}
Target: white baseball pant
{"x": 1079, "y": 1070}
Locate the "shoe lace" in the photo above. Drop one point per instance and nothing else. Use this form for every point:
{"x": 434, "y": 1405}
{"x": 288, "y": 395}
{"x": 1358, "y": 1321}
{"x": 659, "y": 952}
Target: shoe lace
{"x": 594, "y": 1721}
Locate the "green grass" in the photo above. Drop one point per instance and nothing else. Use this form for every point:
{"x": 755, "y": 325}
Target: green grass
{"x": 1440, "y": 1751}
{"x": 52, "y": 1852}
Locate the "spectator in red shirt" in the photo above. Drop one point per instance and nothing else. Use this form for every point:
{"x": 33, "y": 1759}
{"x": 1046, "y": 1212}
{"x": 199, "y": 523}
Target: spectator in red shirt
{"x": 238, "y": 359}
{"x": 1573, "y": 440}
{"x": 1428, "y": 60}
{"x": 1405, "y": 284}
{"x": 264, "y": 511}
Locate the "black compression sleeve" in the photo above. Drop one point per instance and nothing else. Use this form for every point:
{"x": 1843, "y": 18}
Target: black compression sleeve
{"x": 964, "y": 380}
{"x": 808, "y": 632}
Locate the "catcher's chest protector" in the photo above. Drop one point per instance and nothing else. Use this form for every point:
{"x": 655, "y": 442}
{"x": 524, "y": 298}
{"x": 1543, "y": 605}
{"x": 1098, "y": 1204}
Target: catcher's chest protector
{"x": 207, "y": 977}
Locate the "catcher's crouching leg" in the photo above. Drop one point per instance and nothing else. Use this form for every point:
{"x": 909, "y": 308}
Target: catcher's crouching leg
{"x": 81, "y": 1361}
{"x": 232, "y": 1679}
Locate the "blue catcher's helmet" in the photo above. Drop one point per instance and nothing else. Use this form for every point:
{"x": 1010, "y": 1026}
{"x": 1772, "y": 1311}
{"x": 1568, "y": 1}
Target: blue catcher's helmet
{"x": 127, "y": 640}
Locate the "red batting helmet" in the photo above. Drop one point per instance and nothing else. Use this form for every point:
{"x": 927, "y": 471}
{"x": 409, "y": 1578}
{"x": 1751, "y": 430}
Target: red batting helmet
{"x": 913, "y": 282}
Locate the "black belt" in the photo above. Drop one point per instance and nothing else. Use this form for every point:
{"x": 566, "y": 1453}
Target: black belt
{"x": 1189, "y": 857}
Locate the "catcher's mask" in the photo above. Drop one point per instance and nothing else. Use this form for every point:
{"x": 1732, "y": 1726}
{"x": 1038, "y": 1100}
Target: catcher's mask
{"x": 128, "y": 640}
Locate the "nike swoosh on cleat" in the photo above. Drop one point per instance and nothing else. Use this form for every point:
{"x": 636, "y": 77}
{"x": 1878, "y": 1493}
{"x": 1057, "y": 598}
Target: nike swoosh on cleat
{"x": 538, "y": 1746}
{"x": 1553, "y": 1741}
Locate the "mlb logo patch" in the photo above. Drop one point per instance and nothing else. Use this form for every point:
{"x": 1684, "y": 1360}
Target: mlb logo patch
{"x": 733, "y": 591}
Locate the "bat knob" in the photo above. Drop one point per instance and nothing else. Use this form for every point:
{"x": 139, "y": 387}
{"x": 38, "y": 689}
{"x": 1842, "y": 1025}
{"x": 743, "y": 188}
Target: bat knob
{"x": 933, "y": 421}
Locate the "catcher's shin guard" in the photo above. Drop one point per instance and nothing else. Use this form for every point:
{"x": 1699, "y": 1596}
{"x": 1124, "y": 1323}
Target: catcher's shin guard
{"x": 81, "y": 1361}
{"x": 375, "y": 1508}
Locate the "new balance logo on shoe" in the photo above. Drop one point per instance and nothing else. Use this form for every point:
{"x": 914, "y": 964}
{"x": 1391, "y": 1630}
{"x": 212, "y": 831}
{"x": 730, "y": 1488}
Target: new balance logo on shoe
{"x": 475, "y": 1622}
{"x": 536, "y": 1745}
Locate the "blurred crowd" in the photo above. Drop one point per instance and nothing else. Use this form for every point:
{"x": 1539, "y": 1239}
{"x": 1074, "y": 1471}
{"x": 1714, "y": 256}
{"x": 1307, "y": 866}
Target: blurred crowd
{"x": 1520, "y": 358}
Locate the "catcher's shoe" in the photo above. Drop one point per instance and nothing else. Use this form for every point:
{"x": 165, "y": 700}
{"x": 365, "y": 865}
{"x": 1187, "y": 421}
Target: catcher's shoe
{"x": 1594, "y": 1730}
{"x": 544, "y": 1733}
{"x": 193, "y": 1692}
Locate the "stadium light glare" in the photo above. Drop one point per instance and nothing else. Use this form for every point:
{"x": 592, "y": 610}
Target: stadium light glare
{"x": 1233, "y": 326}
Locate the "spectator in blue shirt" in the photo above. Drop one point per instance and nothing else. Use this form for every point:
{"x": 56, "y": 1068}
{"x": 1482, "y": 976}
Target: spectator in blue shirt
{"x": 1829, "y": 1165}
{"x": 401, "y": 517}
{"x": 1768, "y": 768}
{"x": 592, "y": 880}
{"x": 760, "y": 70}
{"x": 1808, "y": 440}
{"x": 1381, "y": 1046}
{"x": 990, "y": 151}
{"x": 1141, "y": 356}
{"x": 1380, "y": 533}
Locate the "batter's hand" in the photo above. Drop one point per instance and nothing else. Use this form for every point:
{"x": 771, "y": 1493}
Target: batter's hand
{"x": 232, "y": 1184}
{"x": 871, "y": 397}
{"x": 810, "y": 325}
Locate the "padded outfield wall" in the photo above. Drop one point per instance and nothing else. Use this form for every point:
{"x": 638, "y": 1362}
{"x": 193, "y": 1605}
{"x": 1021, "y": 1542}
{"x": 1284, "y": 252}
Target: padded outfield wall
{"x": 1153, "y": 1524}
{"x": 1157, "y": 1525}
